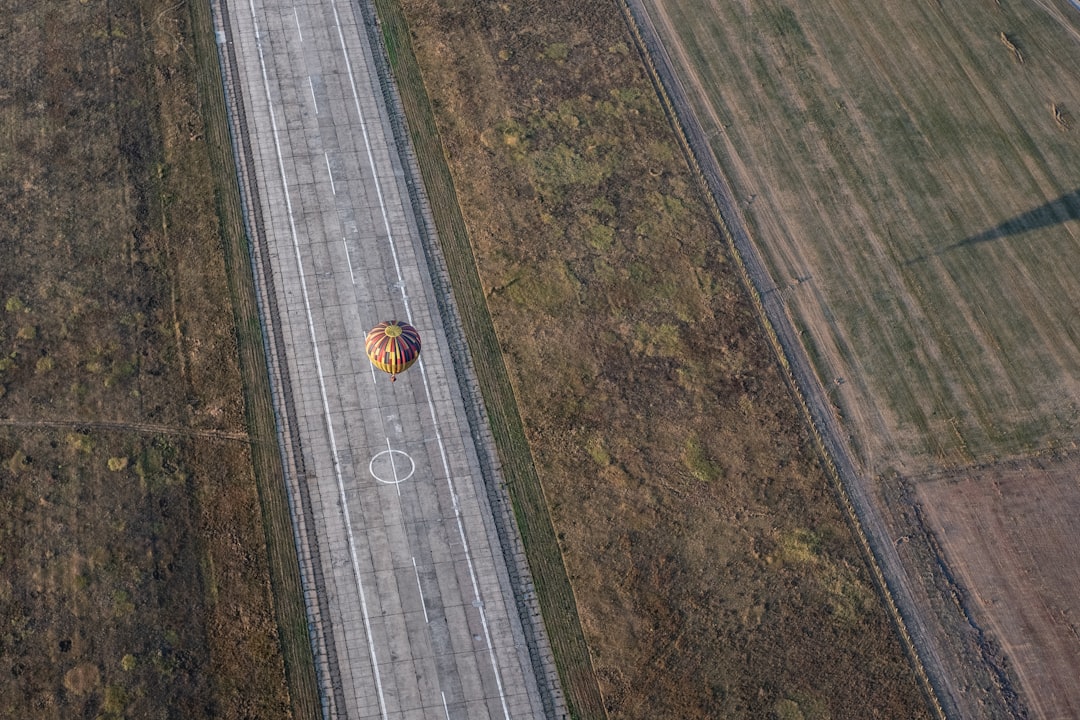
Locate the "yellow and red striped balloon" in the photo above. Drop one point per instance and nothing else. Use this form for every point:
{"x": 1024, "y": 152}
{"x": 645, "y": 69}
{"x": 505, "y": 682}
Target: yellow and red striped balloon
{"x": 392, "y": 347}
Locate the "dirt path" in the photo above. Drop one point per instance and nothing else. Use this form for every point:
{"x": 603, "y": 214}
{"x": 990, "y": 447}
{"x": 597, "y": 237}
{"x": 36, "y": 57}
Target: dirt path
{"x": 140, "y": 428}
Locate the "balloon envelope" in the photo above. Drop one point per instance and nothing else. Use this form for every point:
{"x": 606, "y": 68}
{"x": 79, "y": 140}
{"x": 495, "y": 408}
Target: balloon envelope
{"x": 392, "y": 346}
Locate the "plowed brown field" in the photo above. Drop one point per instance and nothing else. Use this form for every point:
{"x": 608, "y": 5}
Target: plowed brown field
{"x": 1011, "y": 533}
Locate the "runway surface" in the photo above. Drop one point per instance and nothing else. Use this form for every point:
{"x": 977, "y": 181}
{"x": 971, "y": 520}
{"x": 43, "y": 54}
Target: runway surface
{"x": 409, "y": 568}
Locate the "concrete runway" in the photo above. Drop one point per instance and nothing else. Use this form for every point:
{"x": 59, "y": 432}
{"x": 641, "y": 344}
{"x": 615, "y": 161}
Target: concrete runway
{"x": 409, "y": 558}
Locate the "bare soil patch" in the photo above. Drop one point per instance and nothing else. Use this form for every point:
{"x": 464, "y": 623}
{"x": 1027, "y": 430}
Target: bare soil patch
{"x": 1010, "y": 531}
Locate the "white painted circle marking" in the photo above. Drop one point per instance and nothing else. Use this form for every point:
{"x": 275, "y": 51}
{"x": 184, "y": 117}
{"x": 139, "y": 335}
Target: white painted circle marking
{"x": 388, "y": 467}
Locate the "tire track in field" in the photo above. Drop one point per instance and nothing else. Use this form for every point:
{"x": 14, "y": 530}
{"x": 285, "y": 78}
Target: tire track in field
{"x": 138, "y": 428}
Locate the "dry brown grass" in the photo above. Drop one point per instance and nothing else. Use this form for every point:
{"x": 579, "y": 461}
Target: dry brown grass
{"x": 135, "y": 581}
{"x": 1008, "y": 43}
{"x": 1060, "y": 116}
{"x": 713, "y": 571}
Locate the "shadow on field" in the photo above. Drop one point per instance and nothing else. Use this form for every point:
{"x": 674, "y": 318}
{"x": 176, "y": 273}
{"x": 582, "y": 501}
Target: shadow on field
{"x": 1055, "y": 212}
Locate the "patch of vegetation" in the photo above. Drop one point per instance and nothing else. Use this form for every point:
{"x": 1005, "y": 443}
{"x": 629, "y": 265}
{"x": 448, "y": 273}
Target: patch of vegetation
{"x": 135, "y": 576}
{"x": 637, "y": 355}
{"x": 910, "y": 166}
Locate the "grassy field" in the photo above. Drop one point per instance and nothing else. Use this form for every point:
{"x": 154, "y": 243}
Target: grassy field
{"x": 712, "y": 570}
{"x": 912, "y": 176}
{"x": 135, "y": 579}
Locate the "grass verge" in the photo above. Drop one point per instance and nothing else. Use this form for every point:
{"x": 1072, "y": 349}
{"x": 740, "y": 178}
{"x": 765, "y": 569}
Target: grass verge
{"x": 530, "y": 507}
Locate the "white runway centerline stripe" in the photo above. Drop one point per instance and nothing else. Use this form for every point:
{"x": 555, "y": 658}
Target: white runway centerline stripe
{"x": 297, "y": 18}
{"x": 314, "y": 101}
{"x": 318, "y": 367}
{"x": 348, "y": 260}
{"x": 423, "y": 602}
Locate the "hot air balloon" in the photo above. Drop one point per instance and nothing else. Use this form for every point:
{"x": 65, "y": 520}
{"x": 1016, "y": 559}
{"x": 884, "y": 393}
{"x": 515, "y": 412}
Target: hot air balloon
{"x": 392, "y": 347}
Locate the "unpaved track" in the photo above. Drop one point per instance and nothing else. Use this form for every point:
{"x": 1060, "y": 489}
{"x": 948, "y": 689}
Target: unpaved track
{"x": 141, "y": 428}
{"x": 866, "y": 516}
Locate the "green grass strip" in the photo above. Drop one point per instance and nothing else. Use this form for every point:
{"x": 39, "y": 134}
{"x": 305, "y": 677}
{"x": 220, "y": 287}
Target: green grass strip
{"x": 281, "y": 549}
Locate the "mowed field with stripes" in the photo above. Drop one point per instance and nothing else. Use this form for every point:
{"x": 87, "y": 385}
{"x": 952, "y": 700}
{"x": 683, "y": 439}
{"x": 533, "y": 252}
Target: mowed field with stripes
{"x": 912, "y": 178}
